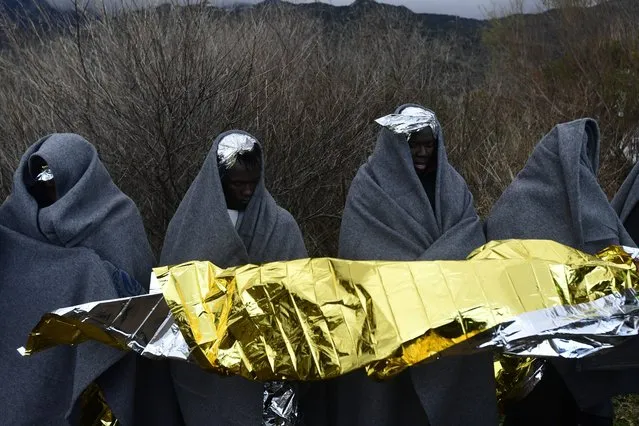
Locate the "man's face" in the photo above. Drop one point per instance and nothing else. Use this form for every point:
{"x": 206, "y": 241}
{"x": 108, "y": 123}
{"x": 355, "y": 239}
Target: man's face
{"x": 47, "y": 194}
{"x": 43, "y": 190}
{"x": 239, "y": 185}
{"x": 423, "y": 146}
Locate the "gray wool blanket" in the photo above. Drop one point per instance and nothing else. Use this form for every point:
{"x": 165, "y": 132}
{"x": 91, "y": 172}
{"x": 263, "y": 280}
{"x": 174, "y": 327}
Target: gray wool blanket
{"x": 556, "y": 196}
{"x": 388, "y": 216}
{"x": 91, "y": 211}
{"x": 202, "y": 230}
{"x": 72, "y": 252}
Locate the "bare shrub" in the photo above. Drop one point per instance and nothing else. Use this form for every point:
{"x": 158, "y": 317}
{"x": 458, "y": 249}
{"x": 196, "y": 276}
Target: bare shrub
{"x": 152, "y": 88}
{"x": 579, "y": 59}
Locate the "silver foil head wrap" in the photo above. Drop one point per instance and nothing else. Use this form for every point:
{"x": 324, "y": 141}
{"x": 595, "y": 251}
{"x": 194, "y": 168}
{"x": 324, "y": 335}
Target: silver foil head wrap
{"x": 45, "y": 175}
{"x": 233, "y": 145}
{"x": 410, "y": 120}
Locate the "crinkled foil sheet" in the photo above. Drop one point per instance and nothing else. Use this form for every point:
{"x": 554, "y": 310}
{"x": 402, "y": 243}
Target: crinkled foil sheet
{"x": 315, "y": 319}
{"x": 516, "y": 375}
{"x": 45, "y": 175}
{"x": 127, "y": 323}
{"x": 410, "y": 123}
{"x": 95, "y": 411}
{"x": 233, "y": 145}
{"x": 280, "y": 404}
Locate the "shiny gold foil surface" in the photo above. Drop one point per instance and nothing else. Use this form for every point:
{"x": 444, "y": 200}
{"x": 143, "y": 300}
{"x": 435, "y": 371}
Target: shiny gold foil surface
{"x": 126, "y": 323}
{"x": 314, "y": 319}
{"x": 515, "y": 377}
{"x": 320, "y": 318}
{"x": 95, "y": 411}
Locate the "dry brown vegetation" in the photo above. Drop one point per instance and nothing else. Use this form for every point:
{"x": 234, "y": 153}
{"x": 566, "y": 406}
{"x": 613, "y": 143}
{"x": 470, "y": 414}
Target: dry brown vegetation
{"x": 152, "y": 88}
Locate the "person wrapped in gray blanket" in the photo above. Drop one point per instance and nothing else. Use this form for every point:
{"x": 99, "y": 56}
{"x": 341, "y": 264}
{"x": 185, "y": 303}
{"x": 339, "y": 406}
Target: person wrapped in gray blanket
{"x": 407, "y": 202}
{"x": 556, "y": 196}
{"x": 227, "y": 217}
{"x": 621, "y": 364}
{"x": 626, "y": 203}
{"x": 68, "y": 236}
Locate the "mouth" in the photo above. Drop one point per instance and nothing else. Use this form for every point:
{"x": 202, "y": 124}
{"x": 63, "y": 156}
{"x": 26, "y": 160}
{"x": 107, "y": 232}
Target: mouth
{"x": 420, "y": 166}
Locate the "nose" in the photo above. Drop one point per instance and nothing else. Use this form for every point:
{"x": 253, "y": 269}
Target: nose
{"x": 247, "y": 190}
{"x": 422, "y": 151}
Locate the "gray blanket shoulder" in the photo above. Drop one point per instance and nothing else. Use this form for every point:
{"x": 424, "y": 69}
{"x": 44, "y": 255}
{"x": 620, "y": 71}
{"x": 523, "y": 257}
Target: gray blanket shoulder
{"x": 91, "y": 211}
{"x": 556, "y": 195}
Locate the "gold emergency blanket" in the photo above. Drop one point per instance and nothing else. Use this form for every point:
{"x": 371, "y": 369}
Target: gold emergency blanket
{"x": 320, "y": 318}
{"x": 95, "y": 411}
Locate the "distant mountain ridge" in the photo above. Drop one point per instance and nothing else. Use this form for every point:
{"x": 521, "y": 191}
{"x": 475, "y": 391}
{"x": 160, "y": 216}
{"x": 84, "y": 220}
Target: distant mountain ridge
{"x": 336, "y": 17}
{"x": 359, "y": 7}
{"x": 340, "y": 18}
{"x": 31, "y": 9}
{"x": 329, "y": 14}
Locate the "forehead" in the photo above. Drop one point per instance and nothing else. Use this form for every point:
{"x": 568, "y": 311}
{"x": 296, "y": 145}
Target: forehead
{"x": 423, "y": 136}
{"x": 239, "y": 173}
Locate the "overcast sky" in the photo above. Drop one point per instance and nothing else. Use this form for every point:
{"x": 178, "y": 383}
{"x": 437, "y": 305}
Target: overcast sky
{"x": 465, "y": 8}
